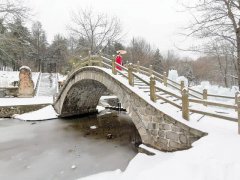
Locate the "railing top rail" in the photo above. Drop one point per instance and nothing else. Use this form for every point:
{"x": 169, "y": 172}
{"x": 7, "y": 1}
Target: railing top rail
{"x": 213, "y": 103}
{"x": 220, "y": 96}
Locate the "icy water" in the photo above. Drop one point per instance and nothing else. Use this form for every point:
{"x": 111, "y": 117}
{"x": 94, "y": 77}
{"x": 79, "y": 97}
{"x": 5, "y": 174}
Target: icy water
{"x": 66, "y": 148}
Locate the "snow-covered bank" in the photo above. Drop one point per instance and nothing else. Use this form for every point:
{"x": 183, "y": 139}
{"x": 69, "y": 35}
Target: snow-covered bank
{"x": 213, "y": 157}
{"x": 25, "y": 101}
{"x": 45, "y": 113}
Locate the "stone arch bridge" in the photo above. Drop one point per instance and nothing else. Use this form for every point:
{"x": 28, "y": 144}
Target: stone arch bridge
{"x": 84, "y": 87}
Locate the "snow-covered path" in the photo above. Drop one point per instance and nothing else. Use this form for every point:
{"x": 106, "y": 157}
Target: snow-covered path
{"x": 47, "y": 85}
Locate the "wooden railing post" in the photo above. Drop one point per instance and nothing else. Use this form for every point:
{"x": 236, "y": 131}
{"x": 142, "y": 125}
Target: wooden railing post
{"x": 130, "y": 74}
{"x": 238, "y": 110}
{"x": 153, "y": 89}
{"x": 127, "y": 64}
{"x": 205, "y": 95}
{"x": 100, "y": 59}
{"x": 165, "y": 79}
{"x": 89, "y": 58}
{"x": 236, "y": 97}
{"x": 182, "y": 85}
{"x": 138, "y": 67}
{"x": 114, "y": 71}
{"x": 185, "y": 104}
{"x": 150, "y": 70}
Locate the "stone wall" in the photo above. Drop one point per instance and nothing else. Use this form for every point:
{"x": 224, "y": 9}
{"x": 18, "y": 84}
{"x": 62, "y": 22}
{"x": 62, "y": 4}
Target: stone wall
{"x": 8, "y": 111}
{"x": 156, "y": 129}
{"x": 8, "y": 92}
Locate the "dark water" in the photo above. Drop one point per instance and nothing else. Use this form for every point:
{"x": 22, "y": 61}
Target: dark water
{"x": 66, "y": 148}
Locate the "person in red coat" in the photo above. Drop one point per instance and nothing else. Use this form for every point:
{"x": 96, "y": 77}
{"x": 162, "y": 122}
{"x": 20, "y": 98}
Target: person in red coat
{"x": 119, "y": 61}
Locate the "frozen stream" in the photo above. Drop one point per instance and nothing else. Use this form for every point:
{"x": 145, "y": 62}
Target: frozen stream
{"x": 65, "y": 149}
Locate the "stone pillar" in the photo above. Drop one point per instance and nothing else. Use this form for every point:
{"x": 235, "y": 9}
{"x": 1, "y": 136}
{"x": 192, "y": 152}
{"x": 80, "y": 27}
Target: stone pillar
{"x": 26, "y": 85}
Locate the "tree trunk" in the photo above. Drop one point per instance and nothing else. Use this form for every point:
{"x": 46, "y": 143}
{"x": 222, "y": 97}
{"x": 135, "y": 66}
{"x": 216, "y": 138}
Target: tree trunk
{"x": 238, "y": 56}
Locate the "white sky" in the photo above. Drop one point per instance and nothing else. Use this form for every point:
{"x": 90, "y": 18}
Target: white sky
{"x": 157, "y": 21}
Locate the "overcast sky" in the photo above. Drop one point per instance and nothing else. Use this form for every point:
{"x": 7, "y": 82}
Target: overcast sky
{"x": 158, "y": 21}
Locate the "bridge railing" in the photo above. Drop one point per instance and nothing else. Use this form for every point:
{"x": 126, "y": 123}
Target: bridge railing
{"x": 184, "y": 98}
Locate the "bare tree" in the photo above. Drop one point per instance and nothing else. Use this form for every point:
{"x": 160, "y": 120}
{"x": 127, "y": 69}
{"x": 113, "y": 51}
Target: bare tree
{"x": 140, "y": 50}
{"x": 219, "y": 20}
{"x": 12, "y": 9}
{"x": 94, "y": 30}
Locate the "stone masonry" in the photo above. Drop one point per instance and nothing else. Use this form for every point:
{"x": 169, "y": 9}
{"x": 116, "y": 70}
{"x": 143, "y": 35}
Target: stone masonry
{"x": 81, "y": 93}
{"x": 26, "y": 85}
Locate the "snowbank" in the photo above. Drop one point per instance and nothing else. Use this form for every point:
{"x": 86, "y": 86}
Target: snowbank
{"x": 45, "y": 113}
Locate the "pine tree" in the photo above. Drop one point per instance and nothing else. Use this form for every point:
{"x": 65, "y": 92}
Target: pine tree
{"x": 157, "y": 62}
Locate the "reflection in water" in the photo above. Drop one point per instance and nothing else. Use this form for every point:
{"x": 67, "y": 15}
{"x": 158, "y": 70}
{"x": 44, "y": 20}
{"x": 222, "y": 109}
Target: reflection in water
{"x": 110, "y": 126}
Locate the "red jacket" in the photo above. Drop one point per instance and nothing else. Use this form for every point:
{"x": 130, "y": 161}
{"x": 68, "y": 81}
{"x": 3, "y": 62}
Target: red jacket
{"x": 119, "y": 61}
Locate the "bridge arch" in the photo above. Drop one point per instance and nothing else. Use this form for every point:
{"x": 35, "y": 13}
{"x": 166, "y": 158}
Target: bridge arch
{"x": 83, "y": 89}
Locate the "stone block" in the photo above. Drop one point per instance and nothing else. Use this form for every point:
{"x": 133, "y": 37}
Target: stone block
{"x": 183, "y": 139}
{"x": 149, "y": 110}
{"x": 166, "y": 127}
{"x": 161, "y": 134}
{"x": 163, "y": 141}
{"x": 168, "y": 119}
{"x": 151, "y": 125}
{"x": 176, "y": 146}
{"x": 154, "y": 132}
{"x": 183, "y": 126}
{"x": 172, "y": 136}
{"x": 176, "y": 129}
{"x": 192, "y": 139}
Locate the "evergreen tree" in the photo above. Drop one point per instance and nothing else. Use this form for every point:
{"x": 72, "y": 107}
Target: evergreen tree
{"x": 58, "y": 54}
{"x": 157, "y": 62}
{"x": 39, "y": 44}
